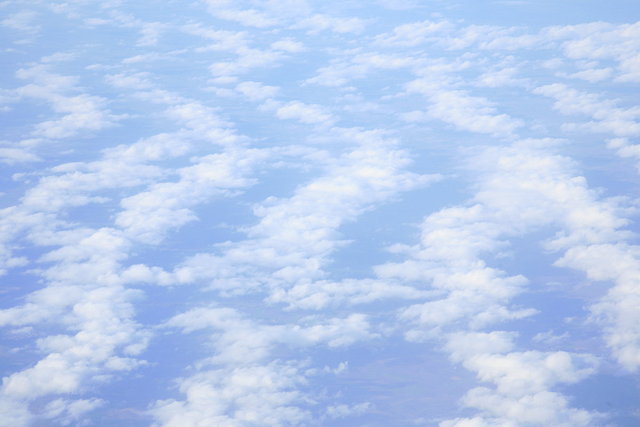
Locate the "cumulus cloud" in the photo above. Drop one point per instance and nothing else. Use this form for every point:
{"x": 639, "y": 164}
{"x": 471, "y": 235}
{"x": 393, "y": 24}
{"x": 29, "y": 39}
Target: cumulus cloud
{"x": 12, "y": 155}
{"x": 242, "y": 341}
{"x": 603, "y": 41}
{"x": 24, "y": 25}
{"x": 465, "y": 112}
{"x": 68, "y": 412}
{"x": 78, "y": 113}
{"x": 147, "y": 215}
{"x": 256, "y": 91}
{"x": 343, "y": 71}
{"x": 322, "y": 294}
{"x": 620, "y": 264}
{"x": 251, "y": 394}
{"x": 520, "y": 188}
{"x": 413, "y": 34}
{"x": 372, "y": 172}
{"x": 521, "y": 379}
{"x": 242, "y": 385}
{"x": 319, "y": 22}
{"x": 605, "y": 114}
{"x": 624, "y": 148}
{"x": 309, "y": 114}
{"x": 84, "y": 290}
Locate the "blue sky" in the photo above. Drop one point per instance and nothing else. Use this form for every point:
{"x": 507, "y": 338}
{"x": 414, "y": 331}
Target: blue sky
{"x": 296, "y": 213}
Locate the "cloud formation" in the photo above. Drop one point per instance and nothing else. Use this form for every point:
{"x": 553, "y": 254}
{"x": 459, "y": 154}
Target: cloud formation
{"x": 243, "y": 213}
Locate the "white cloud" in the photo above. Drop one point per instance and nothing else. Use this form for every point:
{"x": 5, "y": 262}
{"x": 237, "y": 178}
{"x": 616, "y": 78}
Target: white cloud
{"x": 447, "y": 35}
{"x": 342, "y": 411}
{"x": 252, "y": 394}
{"x": 138, "y": 81}
{"x": 305, "y": 113}
{"x": 102, "y": 317}
{"x": 519, "y": 189}
{"x": 83, "y": 296}
{"x": 465, "y": 112}
{"x": 535, "y": 409}
{"x": 359, "y": 66}
{"x": 68, "y": 412}
{"x": 529, "y": 372}
{"x": 603, "y": 41}
{"x": 550, "y": 338}
{"x": 593, "y": 242}
{"x": 256, "y": 91}
{"x": 320, "y": 22}
{"x": 249, "y": 17}
{"x": 616, "y": 312}
{"x": 288, "y": 45}
{"x": 247, "y": 55}
{"x": 83, "y": 289}
{"x": 150, "y": 33}
{"x": 247, "y": 59}
{"x": 80, "y": 113}
{"x": 12, "y": 155}
{"x": 264, "y": 14}
{"x": 243, "y": 386}
{"x": 409, "y": 35}
{"x": 233, "y": 41}
{"x": 242, "y": 340}
{"x": 522, "y": 380}
{"x": 626, "y": 150}
{"x": 14, "y": 413}
{"x": 398, "y": 4}
{"x": 504, "y": 76}
{"x": 466, "y": 345}
{"x": 165, "y": 205}
{"x": 593, "y": 75}
{"x": 606, "y": 115}
{"x": 322, "y": 294}
{"x": 368, "y": 175}
{"x": 24, "y": 23}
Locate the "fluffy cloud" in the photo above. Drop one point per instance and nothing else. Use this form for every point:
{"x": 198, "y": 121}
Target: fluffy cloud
{"x": 81, "y": 112}
{"x": 319, "y": 22}
{"x": 603, "y": 41}
{"x": 242, "y": 385}
{"x": 465, "y": 112}
{"x": 168, "y": 203}
{"x": 84, "y": 277}
{"x": 521, "y": 379}
{"x": 520, "y": 188}
{"x": 625, "y": 149}
{"x": 408, "y": 35}
{"x": 369, "y": 174}
{"x": 252, "y": 394}
{"x": 618, "y": 263}
{"x": 322, "y": 294}
{"x": 309, "y": 114}
{"x": 606, "y": 115}
{"x": 256, "y": 91}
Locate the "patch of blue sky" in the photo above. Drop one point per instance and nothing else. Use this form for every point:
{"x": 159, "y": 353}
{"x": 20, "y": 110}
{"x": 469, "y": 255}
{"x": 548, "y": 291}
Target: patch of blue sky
{"x": 392, "y": 376}
{"x": 540, "y": 13}
{"x": 612, "y": 393}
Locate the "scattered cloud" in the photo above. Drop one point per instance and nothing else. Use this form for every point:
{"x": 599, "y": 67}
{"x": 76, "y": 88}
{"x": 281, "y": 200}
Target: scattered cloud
{"x": 286, "y": 194}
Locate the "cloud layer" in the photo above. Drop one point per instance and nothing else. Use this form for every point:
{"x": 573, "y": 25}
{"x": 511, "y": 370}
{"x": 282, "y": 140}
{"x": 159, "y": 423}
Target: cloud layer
{"x": 234, "y": 213}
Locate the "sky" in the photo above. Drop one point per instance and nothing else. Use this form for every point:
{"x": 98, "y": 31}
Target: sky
{"x": 320, "y": 213}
